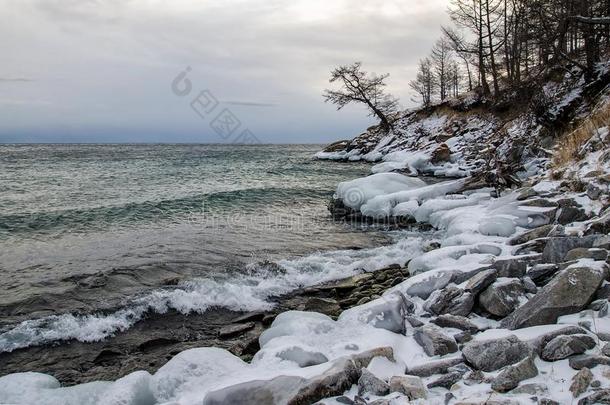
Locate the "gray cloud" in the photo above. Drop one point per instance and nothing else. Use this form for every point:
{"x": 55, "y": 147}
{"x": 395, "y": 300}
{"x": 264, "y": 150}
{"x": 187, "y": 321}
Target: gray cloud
{"x": 112, "y": 62}
{"x": 15, "y": 79}
{"x": 250, "y": 104}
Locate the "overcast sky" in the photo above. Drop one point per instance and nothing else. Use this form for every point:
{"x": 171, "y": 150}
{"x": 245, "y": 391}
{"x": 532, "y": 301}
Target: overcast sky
{"x": 102, "y": 70}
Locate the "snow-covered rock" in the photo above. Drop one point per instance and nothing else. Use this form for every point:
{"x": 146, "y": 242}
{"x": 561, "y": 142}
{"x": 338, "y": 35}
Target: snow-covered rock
{"x": 569, "y": 292}
{"x": 494, "y": 354}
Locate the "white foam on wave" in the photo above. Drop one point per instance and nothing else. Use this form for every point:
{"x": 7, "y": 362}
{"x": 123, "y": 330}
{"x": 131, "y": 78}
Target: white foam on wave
{"x": 246, "y": 292}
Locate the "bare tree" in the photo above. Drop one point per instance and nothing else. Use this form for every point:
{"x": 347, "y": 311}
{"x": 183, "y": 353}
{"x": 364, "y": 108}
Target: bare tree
{"x": 424, "y": 81}
{"x": 469, "y": 14}
{"x": 441, "y": 58}
{"x": 358, "y": 86}
{"x": 462, "y": 50}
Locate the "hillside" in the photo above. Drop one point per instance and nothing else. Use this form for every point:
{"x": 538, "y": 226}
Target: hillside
{"x": 512, "y": 137}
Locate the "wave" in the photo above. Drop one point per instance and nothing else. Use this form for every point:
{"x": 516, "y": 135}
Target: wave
{"x": 244, "y": 292}
{"x": 80, "y": 220}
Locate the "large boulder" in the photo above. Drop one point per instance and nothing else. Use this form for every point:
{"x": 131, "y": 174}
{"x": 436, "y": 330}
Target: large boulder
{"x": 448, "y": 380}
{"x": 600, "y": 397}
{"x": 588, "y": 360}
{"x": 434, "y": 341}
{"x": 494, "y": 354}
{"x": 441, "y": 154}
{"x": 542, "y": 273}
{"x": 570, "y": 211}
{"x": 557, "y": 248}
{"x": 584, "y": 253}
{"x": 580, "y": 382}
{"x": 481, "y": 281}
{"x": 293, "y": 390}
{"x": 387, "y": 312}
{"x": 539, "y": 342}
{"x": 511, "y": 266}
{"x": 425, "y": 284}
{"x": 434, "y": 367}
{"x": 511, "y": 376}
{"x": 450, "y": 300}
{"x": 326, "y": 306}
{"x": 302, "y": 357}
{"x": 565, "y": 346}
{"x": 411, "y": 386}
{"x": 600, "y": 225}
{"x": 277, "y": 390}
{"x": 502, "y": 297}
{"x": 536, "y": 233}
{"x": 455, "y": 321}
{"x": 368, "y": 383}
{"x": 569, "y": 292}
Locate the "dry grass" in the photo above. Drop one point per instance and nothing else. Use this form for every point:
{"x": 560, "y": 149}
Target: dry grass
{"x": 570, "y": 145}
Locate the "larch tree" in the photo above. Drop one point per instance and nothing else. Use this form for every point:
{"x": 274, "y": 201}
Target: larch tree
{"x": 358, "y": 86}
{"x": 424, "y": 82}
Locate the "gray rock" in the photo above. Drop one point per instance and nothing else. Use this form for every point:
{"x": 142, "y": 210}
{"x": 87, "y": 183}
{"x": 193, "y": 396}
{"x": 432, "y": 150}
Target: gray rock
{"x": 580, "y": 382}
{"x": 588, "y": 360}
{"x": 326, "y": 306}
{"x": 293, "y": 390}
{"x": 557, "y": 248}
{"x": 463, "y": 337}
{"x": 570, "y": 211}
{"x": 277, "y": 390}
{"x": 541, "y": 341}
{"x": 481, "y": 281}
{"x": 446, "y": 381}
{"x": 584, "y": 253}
{"x": 536, "y": 233}
{"x": 411, "y": 386}
{"x": 525, "y": 193}
{"x": 302, "y": 357}
{"x": 450, "y": 300}
{"x": 593, "y": 192}
{"x": 600, "y": 225}
{"x": 563, "y": 347}
{"x": 511, "y": 267}
{"x": 232, "y": 330}
{"x": 464, "y": 276}
{"x": 529, "y": 285}
{"x": 598, "y": 305}
{"x": 531, "y": 389}
{"x": 602, "y": 242}
{"x": 381, "y": 401}
{"x": 434, "y": 341}
{"x": 606, "y": 349}
{"x": 344, "y": 400}
{"x": 250, "y": 317}
{"x": 455, "y": 321}
{"x": 369, "y": 383}
{"x": 337, "y": 379}
{"x": 413, "y": 321}
{"x": 502, "y": 297}
{"x": 435, "y": 282}
{"x": 494, "y": 354}
{"x": 390, "y": 312}
{"x": 547, "y": 401}
{"x": 511, "y": 376}
{"x": 596, "y": 384}
{"x": 434, "y": 367}
{"x": 603, "y": 292}
{"x": 570, "y": 291}
{"x": 600, "y": 397}
{"x": 542, "y": 273}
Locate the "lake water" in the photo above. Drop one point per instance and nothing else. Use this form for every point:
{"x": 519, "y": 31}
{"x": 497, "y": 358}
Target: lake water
{"x": 94, "y": 236}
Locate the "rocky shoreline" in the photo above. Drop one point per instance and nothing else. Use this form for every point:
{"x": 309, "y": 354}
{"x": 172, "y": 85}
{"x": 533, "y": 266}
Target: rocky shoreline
{"x": 157, "y": 338}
